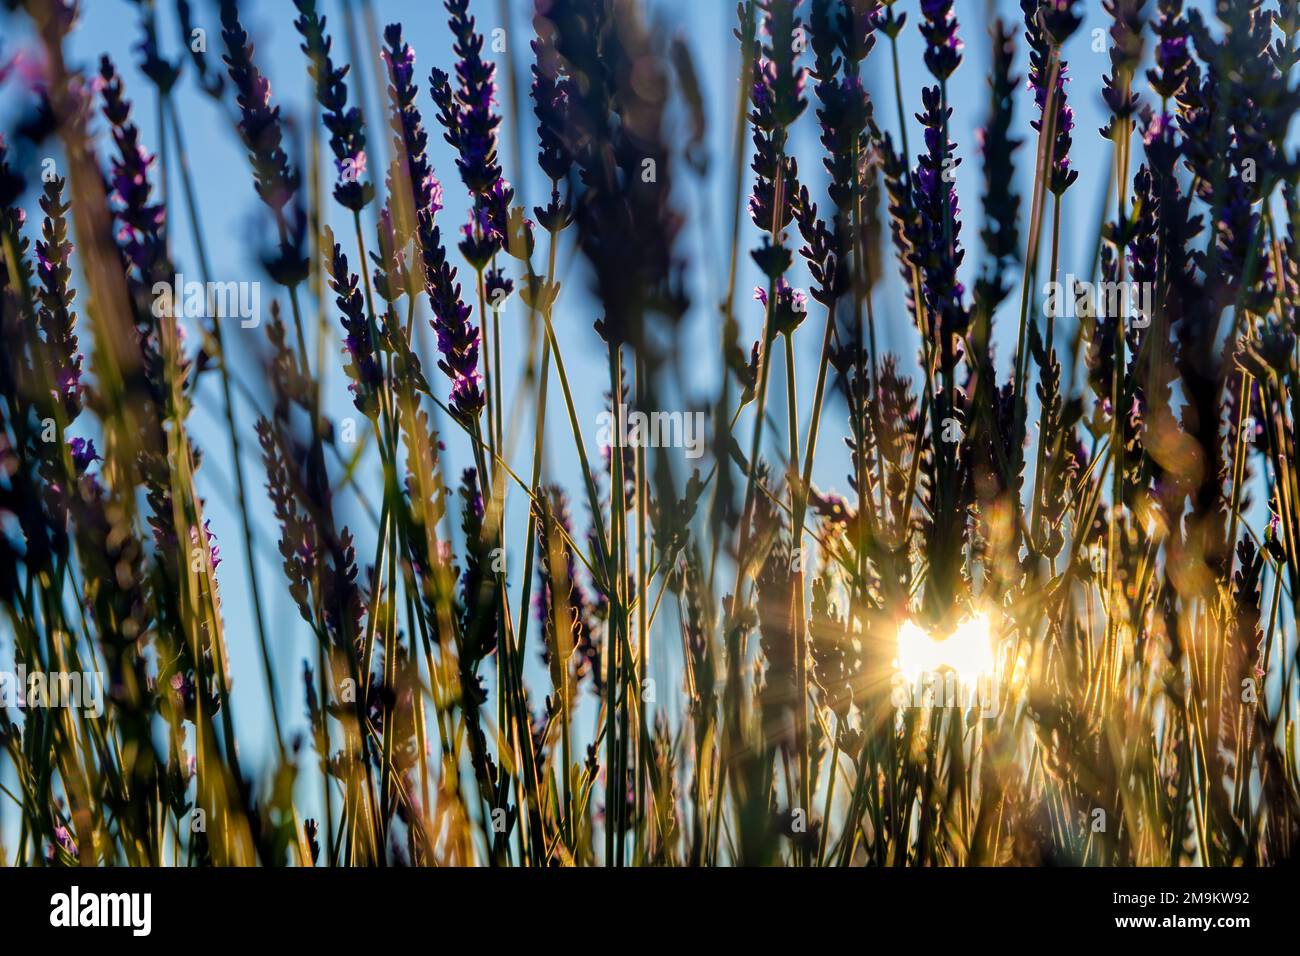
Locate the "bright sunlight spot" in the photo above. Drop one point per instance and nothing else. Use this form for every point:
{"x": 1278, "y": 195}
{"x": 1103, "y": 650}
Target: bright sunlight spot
{"x": 968, "y": 651}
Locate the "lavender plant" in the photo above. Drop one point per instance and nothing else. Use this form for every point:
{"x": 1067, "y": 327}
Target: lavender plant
{"x": 1053, "y": 619}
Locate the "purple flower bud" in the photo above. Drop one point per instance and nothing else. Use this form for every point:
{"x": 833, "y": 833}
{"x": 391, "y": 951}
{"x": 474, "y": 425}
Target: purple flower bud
{"x": 83, "y": 453}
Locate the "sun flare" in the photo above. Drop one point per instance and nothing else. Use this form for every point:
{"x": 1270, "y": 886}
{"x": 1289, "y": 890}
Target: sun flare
{"x": 968, "y": 652}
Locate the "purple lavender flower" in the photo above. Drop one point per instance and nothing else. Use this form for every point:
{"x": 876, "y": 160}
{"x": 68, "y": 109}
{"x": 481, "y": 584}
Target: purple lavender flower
{"x": 938, "y": 252}
{"x": 209, "y": 539}
{"x": 1171, "y": 52}
{"x": 359, "y": 340}
{"x": 319, "y": 559}
{"x": 83, "y": 453}
{"x": 467, "y": 115}
{"x": 856, "y": 23}
{"x": 551, "y": 106}
{"x": 1125, "y": 57}
{"x": 825, "y": 247}
{"x": 790, "y": 310}
{"x": 497, "y": 287}
{"x": 777, "y": 101}
{"x": 943, "y": 48}
{"x": 390, "y": 272}
{"x": 410, "y": 139}
{"x": 458, "y": 338}
{"x": 1145, "y": 243}
{"x": 1101, "y": 360}
{"x": 770, "y": 163}
{"x": 778, "y": 83}
{"x": 185, "y": 695}
{"x": 56, "y": 318}
{"x": 1040, "y": 49}
{"x": 141, "y": 231}
{"x": 1174, "y": 64}
{"x": 887, "y": 21}
{"x": 477, "y": 582}
{"x": 347, "y": 133}
{"x": 1059, "y": 19}
{"x": 844, "y": 116}
{"x": 63, "y": 840}
{"x": 480, "y": 239}
{"x": 1235, "y": 230}
{"x": 259, "y": 121}
{"x": 142, "y": 239}
{"x": 1062, "y": 176}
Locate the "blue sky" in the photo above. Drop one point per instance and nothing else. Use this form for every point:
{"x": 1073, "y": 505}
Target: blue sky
{"x": 231, "y": 221}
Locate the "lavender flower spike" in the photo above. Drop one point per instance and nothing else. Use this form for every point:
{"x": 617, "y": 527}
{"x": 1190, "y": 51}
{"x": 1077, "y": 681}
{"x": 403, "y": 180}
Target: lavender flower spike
{"x": 259, "y": 121}
{"x": 347, "y": 134}
{"x": 943, "y": 48}
{"x": 458, "y": 338}
{"x": 1040, "y": 48}
{"x": 471, "y": 129}
{"x": 364, "y": 368}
